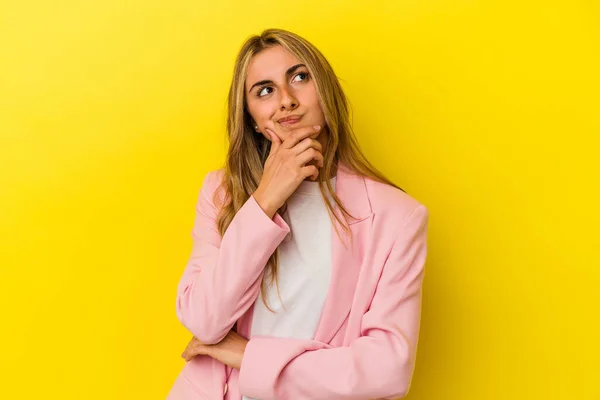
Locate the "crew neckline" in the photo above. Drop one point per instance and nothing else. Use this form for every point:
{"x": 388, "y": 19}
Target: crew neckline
{"x": 310, "y": 188}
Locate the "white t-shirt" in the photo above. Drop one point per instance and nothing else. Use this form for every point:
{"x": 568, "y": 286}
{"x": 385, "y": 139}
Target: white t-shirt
{"x": 304, "y": 270}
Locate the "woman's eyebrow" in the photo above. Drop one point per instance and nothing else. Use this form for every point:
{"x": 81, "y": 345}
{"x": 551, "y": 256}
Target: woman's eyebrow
{"x": 287, "y": 73}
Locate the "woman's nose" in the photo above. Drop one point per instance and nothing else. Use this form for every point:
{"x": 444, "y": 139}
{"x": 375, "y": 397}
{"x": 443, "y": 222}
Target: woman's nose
{"x": 288, "y": 100}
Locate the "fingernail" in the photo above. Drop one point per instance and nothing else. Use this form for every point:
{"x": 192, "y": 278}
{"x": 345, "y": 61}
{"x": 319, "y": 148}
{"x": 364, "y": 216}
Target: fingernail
{"x": 317, "y": 127}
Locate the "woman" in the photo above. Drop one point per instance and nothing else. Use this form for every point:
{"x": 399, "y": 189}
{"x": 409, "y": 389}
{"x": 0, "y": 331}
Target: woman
{"x": 299, "y": 245}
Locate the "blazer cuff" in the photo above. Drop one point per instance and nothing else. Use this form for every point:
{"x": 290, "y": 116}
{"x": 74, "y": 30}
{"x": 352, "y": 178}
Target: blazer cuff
{"x": 259, "y": 218}
{"x": 264, "y": 358}
{"x": 255, "y": 366}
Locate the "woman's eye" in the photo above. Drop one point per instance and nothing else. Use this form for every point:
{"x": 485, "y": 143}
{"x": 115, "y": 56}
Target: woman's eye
{"x": 305, "y": 74}
{"x": 259, "y": 94}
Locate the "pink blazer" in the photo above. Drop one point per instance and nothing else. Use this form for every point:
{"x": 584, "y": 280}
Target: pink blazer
{"x": 366, "y": 340}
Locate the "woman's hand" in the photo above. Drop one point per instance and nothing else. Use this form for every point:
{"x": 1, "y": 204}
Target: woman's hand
{"x": 194, "y": 348}
{"x": 286, "y": 167}
{"x": 229, "y": 351}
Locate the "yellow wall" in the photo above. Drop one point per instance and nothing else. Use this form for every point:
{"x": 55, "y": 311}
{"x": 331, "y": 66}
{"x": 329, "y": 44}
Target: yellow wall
{"x": 112, "y": 111}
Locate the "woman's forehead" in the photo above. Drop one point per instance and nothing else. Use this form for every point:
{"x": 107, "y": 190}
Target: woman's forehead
{"x": 270, "y": 63}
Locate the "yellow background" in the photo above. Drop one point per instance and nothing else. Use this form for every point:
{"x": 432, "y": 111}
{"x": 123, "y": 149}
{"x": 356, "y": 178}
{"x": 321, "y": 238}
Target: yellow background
{"x": 111, "y": 113}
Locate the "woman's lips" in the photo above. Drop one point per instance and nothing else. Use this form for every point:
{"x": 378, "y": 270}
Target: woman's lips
{"x": 290, "y": 122}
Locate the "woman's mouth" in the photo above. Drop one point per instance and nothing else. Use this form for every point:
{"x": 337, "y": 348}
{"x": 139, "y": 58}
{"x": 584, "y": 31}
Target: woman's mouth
{"x": 290, "y": 121}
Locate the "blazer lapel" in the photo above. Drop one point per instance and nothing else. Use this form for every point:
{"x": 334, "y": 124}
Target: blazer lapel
{"x": 346, "y": 260}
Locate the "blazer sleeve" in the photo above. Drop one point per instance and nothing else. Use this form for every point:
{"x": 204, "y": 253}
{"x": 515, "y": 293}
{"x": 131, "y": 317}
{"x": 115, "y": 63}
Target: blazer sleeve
{"x": 379, "y": 364}
{"x": 222, "y": 277}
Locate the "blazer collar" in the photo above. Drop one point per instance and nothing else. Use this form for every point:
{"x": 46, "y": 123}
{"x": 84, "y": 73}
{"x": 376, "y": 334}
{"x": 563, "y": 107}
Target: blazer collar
{"x": 352, "y": 191}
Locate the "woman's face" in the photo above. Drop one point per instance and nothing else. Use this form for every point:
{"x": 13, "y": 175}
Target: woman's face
{"x": 278, "y": 85}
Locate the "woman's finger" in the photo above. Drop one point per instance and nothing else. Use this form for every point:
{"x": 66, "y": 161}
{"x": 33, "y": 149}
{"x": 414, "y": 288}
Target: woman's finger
{"x": 275, "y": 141}
{"x": 307, "y": 143}
{"x": 299, "y": 135}
{"x": 310, "y": 170}
{"x": 185, "y": 355}
{"x": 310, "y": 154}
{"x": 194, "y": 348}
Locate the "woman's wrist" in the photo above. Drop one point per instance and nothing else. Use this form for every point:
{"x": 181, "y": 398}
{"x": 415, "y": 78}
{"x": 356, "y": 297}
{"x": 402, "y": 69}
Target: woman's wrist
{"x": 230, "y": 351}
{"x": 267, "y": 208}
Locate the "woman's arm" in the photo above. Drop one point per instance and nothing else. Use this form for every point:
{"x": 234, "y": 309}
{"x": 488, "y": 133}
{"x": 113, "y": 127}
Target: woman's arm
{"x": 223, "y": 275}
{"x": 229, "y": 351}
{"x": 379, "y": 364}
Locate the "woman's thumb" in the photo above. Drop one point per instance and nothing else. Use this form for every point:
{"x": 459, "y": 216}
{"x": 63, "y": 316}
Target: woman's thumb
{"x": 275, "y": 141}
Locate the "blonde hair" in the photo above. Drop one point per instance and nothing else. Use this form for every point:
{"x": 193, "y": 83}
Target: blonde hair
{"x": 248, "y": 150}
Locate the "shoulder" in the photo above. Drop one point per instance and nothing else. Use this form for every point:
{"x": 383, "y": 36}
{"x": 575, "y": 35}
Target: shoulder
{"x": 213, "y": 178}
{"x": 393, "y": 206}
{"x": 211, "y": 183}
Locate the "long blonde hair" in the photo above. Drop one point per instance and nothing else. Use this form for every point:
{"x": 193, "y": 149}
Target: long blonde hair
{"x": 248, "y": 149}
